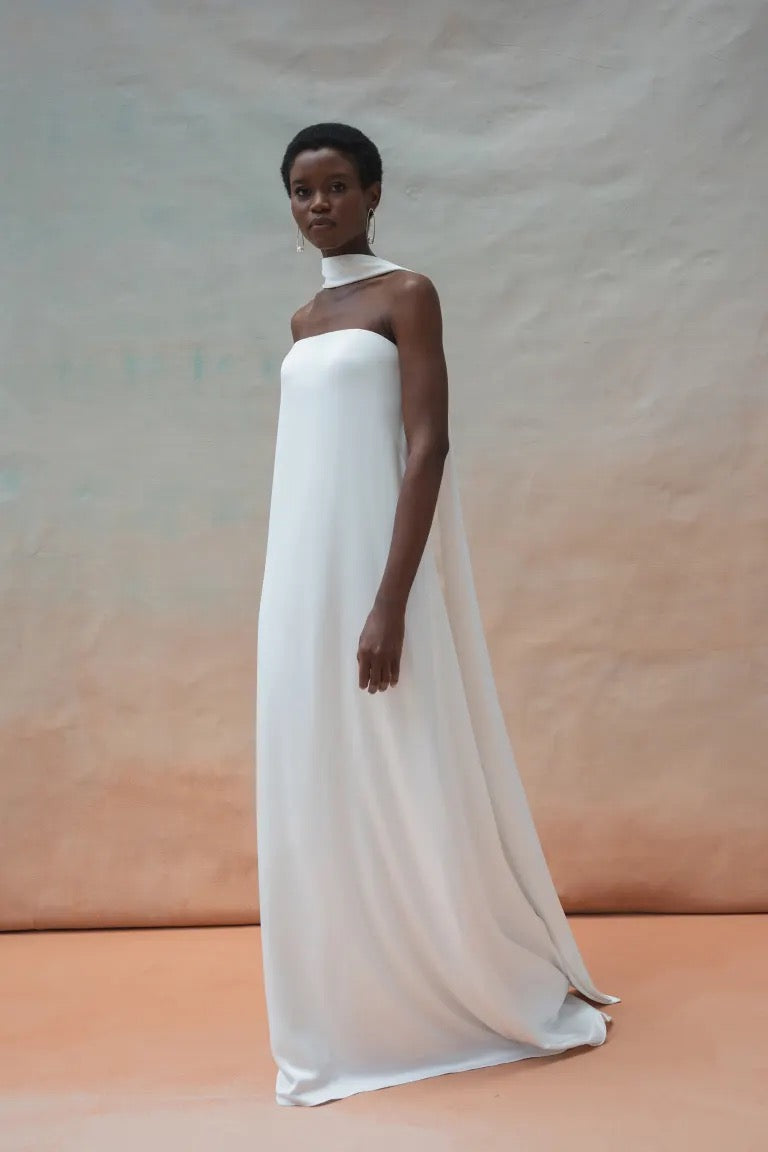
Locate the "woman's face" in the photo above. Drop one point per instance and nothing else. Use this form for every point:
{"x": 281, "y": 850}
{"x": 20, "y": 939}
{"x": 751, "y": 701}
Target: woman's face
{"x": 327, "y": 202}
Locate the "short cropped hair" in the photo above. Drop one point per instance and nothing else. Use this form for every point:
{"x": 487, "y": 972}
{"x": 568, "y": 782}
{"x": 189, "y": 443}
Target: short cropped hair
{"x": 343, "y": 138}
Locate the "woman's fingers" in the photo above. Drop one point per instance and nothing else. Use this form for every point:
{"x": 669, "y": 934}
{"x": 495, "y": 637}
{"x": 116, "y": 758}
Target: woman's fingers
{"x": 383, "y": 675}
{"x": 374, "y": 678}
{"x": 376, "y": 673}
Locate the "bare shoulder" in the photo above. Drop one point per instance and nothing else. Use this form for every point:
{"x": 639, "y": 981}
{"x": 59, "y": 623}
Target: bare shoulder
{"x": 415, "y": 303}
{"x": 414, "y": 287}
{"x": 299, "y": 318}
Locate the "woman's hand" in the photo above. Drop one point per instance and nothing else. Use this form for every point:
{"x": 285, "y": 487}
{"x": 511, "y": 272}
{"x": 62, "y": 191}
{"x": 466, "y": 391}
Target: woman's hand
{"x": 380, "y": 647}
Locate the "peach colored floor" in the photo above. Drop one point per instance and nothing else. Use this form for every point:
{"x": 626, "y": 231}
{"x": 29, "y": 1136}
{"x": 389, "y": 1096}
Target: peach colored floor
{"x": 156, "y": 1039}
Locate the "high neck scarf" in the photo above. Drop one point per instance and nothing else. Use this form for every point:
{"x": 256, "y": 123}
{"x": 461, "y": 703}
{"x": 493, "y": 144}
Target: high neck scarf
{"x": 338, "y": 270}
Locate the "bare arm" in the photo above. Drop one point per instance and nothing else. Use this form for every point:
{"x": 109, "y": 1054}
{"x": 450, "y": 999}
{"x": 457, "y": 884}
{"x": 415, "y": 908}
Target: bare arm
{"x": 418, "y": 330}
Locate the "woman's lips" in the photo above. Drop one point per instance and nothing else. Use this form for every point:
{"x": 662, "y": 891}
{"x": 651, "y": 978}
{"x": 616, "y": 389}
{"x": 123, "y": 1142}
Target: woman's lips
{"x": 322, "y": 224}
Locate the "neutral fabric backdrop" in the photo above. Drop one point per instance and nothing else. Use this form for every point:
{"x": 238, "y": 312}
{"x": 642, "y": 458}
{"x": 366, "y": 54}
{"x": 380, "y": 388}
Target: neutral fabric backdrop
{"x": 587, "y": 185}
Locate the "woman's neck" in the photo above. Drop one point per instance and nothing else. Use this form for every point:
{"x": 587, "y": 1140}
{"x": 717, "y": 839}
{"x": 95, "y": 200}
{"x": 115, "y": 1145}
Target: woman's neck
{"x": 352, "y": 248}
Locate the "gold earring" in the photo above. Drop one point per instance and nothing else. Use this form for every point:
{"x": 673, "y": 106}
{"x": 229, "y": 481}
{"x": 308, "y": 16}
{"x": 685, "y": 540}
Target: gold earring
{"x": 299, "y": 240}
{"x": 370, "y": 236}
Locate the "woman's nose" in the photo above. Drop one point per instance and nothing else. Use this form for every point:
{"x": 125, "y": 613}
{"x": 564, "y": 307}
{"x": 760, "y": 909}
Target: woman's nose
{"x": 319, "y": 200}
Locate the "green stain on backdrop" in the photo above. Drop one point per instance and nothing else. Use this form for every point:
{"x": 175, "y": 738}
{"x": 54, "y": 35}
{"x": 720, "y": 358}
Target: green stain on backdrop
{"x": 130, "y": 364}
{"x": 10, "y": 484}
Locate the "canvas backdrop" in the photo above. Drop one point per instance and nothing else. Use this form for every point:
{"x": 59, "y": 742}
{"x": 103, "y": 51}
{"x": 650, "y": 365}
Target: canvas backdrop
{"x": 586, "y": 183}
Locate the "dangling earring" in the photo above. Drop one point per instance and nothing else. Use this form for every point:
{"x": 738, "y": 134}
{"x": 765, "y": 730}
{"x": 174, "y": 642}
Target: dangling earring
{"x": 370, "y": 236}
{"x": 299, "y": 240}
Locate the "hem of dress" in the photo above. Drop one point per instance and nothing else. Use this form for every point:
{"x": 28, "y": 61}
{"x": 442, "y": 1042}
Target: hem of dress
{"x": 589, "y": 992}
{"x": 329, "y": 1094}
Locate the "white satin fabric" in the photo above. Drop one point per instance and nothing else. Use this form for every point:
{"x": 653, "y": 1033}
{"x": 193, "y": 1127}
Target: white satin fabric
{"x": 410, "y": 925}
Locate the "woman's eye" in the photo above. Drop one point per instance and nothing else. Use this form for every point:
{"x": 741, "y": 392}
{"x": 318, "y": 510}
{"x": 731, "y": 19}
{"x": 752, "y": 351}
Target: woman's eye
{"x": 338, "y": 186}
{"x": 300, "y": 193}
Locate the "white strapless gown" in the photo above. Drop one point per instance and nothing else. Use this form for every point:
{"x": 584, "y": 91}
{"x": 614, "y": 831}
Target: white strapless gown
{"x": 410, "y": 925}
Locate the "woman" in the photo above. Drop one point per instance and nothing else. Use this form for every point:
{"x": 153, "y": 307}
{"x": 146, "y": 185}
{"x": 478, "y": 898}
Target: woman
{"x": 410, "y": 925}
